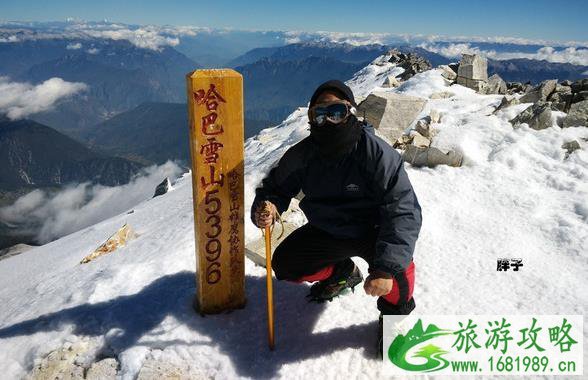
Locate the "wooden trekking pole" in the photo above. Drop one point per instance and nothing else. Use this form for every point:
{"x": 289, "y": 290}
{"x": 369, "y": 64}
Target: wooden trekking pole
{"x": 269, "y": 284}
{"x": 270, "y": 292}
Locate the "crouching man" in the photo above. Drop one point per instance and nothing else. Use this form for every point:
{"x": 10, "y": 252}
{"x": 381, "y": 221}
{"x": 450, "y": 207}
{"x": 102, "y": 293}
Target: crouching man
{"x": 358, "y": 201}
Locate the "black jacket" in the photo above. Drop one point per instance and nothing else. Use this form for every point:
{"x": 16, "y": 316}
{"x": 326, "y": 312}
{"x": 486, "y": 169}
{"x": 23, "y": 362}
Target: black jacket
{"x": 367, "y": 188}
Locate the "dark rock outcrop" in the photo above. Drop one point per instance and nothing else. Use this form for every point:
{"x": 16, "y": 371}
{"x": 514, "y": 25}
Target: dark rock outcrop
{"x": 540, "y": 92}
{"x": 162, "y": 188}
{"x": 578, "y": 115}
{"x": 537, "y": 116}
{"x": 411, "y": 63}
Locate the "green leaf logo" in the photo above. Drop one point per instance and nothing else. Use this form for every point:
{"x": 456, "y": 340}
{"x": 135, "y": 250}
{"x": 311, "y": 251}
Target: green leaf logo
{"x": 399, "y": 348}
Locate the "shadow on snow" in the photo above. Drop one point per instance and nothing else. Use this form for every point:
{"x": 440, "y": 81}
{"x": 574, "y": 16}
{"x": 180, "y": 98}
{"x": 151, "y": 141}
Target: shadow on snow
{"x": 241, "y": 334}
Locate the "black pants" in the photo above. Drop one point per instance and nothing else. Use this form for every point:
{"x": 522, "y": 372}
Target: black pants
{"x": 308, "y": 251}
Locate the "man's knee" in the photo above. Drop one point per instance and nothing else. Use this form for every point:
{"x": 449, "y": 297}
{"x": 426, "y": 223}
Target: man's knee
{"x": 287, "y": 265}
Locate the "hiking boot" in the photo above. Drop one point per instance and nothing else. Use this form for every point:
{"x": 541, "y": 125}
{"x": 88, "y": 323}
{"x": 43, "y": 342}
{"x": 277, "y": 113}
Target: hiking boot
{"x": 344, "y": 277}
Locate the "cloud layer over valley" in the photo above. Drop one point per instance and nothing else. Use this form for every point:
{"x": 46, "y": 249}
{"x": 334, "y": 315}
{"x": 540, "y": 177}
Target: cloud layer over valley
{"x": 52, "y": 215}
{"x": 19, "y": 100}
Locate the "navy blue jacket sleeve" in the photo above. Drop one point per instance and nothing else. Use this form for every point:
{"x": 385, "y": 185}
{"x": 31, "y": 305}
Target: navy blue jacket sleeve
{"x": 282, "y": 183}
{"x": 399, "y": 211}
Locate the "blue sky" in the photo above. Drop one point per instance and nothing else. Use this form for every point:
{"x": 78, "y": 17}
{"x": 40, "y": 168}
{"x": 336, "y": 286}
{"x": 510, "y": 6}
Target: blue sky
{"x": 539, "y": 19}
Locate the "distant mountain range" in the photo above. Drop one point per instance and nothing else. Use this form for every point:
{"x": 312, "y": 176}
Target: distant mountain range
{"x": 33, "y": 155}
{"x": 151, "y": 133}
{"x": 279, "y": 79}
{"x": 519, "y": 69}
{"x": 133, "y": 107}
{"x": 535, "y": 71}
{"x": 339, "y": 51}
{"x": 274, "y": 88}
{"x": 119, "y": 75}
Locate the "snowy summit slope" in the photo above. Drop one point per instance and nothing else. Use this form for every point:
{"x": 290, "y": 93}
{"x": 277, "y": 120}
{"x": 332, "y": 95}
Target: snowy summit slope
{"x": 515, "y": 196}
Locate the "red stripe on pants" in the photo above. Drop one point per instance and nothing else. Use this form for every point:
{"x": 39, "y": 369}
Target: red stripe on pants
{"x": 322, "y": 274}
{"x": 407, "y": 279}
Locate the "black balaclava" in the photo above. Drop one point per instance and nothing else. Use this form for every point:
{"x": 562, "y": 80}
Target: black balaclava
{"x": 335, "y": 140}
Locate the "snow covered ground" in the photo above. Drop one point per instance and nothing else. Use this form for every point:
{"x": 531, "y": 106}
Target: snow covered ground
{"x": 515, "y": 196}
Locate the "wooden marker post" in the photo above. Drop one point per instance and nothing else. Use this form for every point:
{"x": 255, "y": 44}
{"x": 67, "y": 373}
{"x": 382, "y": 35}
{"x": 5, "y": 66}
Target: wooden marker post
{"x": 215, "y": 106}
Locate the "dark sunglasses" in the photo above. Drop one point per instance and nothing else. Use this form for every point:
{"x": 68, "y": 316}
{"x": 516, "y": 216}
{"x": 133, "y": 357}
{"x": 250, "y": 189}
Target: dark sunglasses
{"x": 335, "y": 112}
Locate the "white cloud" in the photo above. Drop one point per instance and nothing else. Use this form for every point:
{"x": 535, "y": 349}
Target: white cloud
{"x": 145, "y": 37}
{"x": 292, "y": 40}
{"x": 75, "y": 46}
{"x": 391, "y": 38}
{"x": 495, "y": 40}
{"x": 51, "y": 216}
{"x": 18, "y": 100}
{"x": 576, "y": 56}
{"x": 452, "y": 50}
{"x": 570, "y": 54}
{"x": 184, "y": 30}
{"x": 156, "y": 37}
{"x": 93, "y": 51}
{"x": 11, "y": 38}
{"x": 355, "y": 39}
